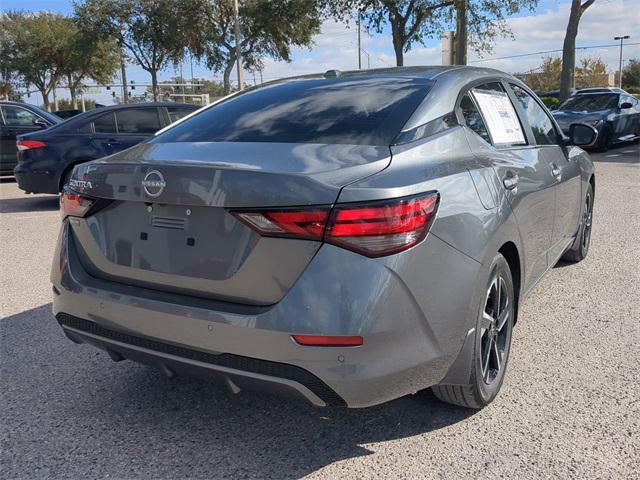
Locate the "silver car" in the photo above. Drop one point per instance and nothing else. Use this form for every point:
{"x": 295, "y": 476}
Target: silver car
{"x": 350, "y": 237}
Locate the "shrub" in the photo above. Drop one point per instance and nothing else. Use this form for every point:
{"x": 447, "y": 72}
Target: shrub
{"x": 550, "y": 102}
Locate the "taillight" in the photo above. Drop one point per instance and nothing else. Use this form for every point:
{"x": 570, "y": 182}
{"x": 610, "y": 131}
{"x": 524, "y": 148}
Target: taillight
{"x": 328, "y": 340}
{"x": 382, "y": 228}
{"x": 373, "y": 229}
{"x": 304, "y": 224}
{"x": 29, "y": 144}
{"x": 74, "y": 204}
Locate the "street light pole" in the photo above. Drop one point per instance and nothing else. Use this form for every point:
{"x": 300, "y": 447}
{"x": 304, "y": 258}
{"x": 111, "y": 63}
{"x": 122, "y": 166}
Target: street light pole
{"x": 238, "y": 48}
{"x": 359, "y": 49}
{"x": 622, "y": 39}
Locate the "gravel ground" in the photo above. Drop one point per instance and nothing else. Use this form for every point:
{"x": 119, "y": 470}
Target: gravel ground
{"x": 569, "y": 407}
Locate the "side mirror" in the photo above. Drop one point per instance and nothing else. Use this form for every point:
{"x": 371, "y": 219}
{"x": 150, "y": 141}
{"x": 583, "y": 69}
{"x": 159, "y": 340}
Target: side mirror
{"x": 625, "y": 105}
{"x": 581, "y": 134}
{"x": 40, "y": 123}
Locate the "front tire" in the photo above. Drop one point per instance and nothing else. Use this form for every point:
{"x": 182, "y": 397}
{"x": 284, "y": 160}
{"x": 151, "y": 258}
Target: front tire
{"x": 494, "y": 329}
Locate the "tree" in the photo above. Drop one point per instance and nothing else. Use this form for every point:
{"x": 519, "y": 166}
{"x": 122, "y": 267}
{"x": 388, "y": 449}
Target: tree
{"x": 631, "y": 73}
{"x": 592, "y": 72}
{"x": 414, "y": 21}
{"x": 546, "y": 77}
{"x": 39, "y": 42}
{"x": 578, "y": 7}
{"x": 268, "y": 29}
{"x": 151, "y": 31}
{"x": 88, "y": 56}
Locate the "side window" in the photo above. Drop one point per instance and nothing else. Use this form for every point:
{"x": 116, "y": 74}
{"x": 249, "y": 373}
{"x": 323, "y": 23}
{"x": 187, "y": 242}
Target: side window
{"x": 138, "y": 120}
{"x": 473, "y": 119}
{"x": 498, "y": 114}
{"x": 542, "y": 126}
{"x": 176, "y": 113}
{"x": 105, "y": 124}
{"x": 18, "y": 117}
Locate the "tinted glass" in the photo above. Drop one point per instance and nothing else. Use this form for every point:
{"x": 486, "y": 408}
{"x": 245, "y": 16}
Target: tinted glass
{"x": 499, "y": 114}
{"x": 542, "y": 126}
{"x": 138, "y": 120}
{"x": 590, "y": 102}
{"x": 356, "y": 110}
{"x": 18, "y": 117}
{"x": 105, "y": 124}
{"x": 473, "y": 118}
{"x": 176, "y": 113}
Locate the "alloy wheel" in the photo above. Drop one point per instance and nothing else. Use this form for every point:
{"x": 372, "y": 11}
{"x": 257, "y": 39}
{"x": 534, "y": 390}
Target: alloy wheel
{"x": 494, "y": 328}
{"x": 587, "y": 219}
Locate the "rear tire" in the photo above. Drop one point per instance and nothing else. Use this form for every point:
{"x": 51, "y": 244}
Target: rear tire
{"x": 494, "y": 328}
{"x": 580, "y": 247}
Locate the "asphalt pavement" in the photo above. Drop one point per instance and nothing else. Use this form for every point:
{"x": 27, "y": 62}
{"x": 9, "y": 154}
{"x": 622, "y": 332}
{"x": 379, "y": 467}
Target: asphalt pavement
{"x": 569, "y": 408}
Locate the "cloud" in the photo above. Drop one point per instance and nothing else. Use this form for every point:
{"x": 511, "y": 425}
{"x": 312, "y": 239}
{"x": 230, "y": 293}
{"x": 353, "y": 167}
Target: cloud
{"x": 336, "y": 46}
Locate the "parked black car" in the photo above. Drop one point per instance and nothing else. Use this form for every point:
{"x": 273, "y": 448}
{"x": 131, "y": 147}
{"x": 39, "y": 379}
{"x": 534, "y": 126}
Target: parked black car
{"x": 17, "y": 119}
{"x": 45, "y": 159}
{"x": 615, "y": 115}
{"x": 68, "y": 113}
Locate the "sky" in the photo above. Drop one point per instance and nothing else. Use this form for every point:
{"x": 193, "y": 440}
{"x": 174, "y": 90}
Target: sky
{"x": 336, "y": 46}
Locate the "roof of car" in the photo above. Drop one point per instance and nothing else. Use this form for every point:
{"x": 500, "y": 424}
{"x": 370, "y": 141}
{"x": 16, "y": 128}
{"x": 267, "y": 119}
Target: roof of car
{"x": 426, "y": 71}
{"x": 146, "y": 105}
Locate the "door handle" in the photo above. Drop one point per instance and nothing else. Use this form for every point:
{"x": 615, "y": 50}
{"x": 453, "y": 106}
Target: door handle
{"x": 556, "y": 172}
{"x": 510, "y": 181}
{"x": 113, "y": 141}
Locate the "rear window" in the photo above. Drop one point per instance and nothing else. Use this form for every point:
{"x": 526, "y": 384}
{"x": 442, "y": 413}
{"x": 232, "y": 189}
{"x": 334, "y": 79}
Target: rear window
{"x": 356, "y": 110}
{"x": 138, "y": 120}
{"x": 176, "y": 113}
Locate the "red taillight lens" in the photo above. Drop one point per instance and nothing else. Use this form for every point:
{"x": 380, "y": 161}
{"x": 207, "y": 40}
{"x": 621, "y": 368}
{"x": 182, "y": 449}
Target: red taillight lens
{"x": 75, "y": 205}
{"x": 373, "y": 229}
{"x": 29, "y": 144}
{"x": 328, "y": 340}
{"x": 382, "y": 228}
{"x": 303, "y": 224}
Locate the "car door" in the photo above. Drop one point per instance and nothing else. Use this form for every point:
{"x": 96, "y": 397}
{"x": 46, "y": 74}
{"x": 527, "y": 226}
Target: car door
{"x": 123, "y": 128}
{"x": 16, "y": 121}
{"x": 563, "y": 170}
{"x": 503, "y": 140}
{"x": 626, "y": 120}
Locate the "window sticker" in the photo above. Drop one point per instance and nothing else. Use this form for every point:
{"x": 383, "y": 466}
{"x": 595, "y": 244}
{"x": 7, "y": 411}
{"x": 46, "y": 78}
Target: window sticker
{"x": 502, "y": 120}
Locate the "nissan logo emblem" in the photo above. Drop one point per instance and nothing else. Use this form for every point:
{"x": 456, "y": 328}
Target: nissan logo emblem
{"x": 153, "y": 183}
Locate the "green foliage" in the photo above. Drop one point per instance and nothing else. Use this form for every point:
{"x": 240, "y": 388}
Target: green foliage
{"x": 151, "y": 31}
{"x": 550, "y": 102}
{"x": 46, "y": 49}
{"x": 415, "y": 21}
{"x": 631, "y": 74}
{"x": 268, "y": 29}
{"x": 38, "y": 45}
{"x": 67, "y": 104}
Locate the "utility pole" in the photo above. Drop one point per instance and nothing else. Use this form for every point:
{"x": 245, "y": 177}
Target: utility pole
{"x": 622, "y": 39}
{"x": 123, "y": 72}
{"x": 359, "y": 49}
{"x": 238, "y": 47}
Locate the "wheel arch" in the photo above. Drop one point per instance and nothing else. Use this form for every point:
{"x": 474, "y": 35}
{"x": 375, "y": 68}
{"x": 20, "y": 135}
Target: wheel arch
{"x": 510, "y": 252}
{"x": 66, "y": 170}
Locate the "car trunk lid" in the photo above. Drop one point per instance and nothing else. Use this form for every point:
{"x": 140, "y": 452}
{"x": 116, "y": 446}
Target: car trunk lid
{"x": 168, "y": 227}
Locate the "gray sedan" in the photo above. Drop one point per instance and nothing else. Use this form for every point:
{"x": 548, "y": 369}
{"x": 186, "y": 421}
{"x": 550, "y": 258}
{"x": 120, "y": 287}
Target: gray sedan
{"x": 348, "y": 237}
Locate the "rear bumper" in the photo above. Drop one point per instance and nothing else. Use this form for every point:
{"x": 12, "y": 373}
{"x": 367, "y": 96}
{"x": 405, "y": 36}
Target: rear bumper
{"x": 413, "y": 311}
{"x": 36, "y": 181}
{"x": 234, "y": 371}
